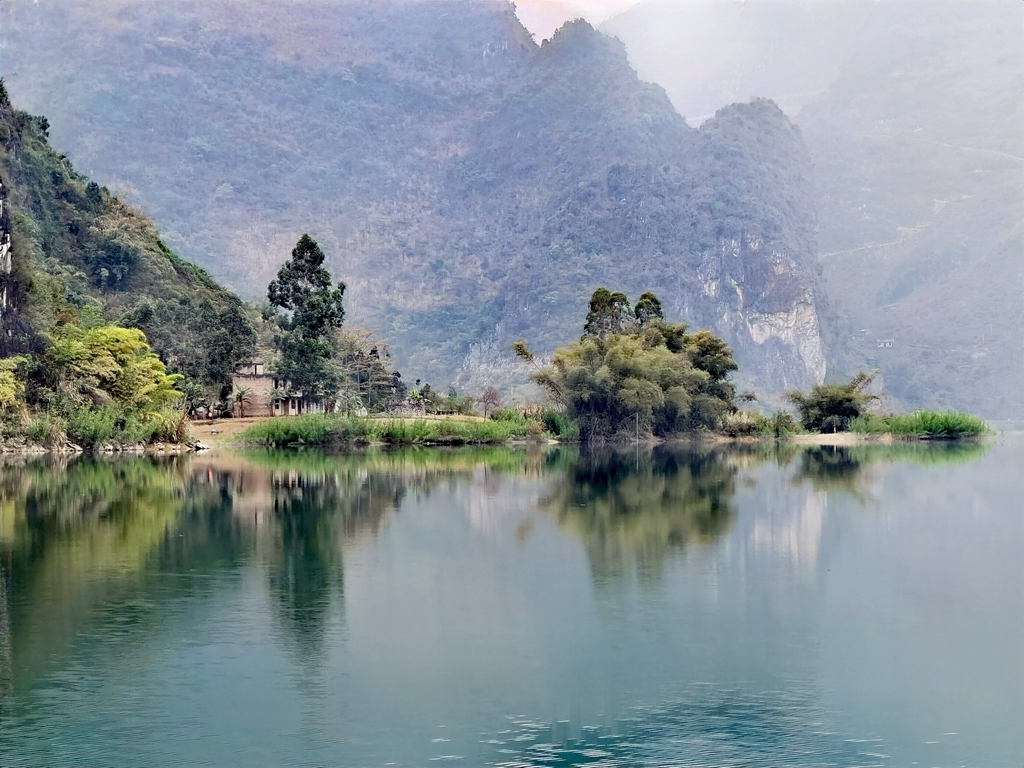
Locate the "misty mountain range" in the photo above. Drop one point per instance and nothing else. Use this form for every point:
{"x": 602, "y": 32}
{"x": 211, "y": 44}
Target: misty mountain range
{"x": 472, "y": 186}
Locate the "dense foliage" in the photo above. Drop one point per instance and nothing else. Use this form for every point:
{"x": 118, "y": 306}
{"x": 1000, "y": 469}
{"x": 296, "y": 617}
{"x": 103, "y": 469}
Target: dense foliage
{"x": 938, "y": 424}
{"x": 313, "y": 311}
{"x": 830, "y": 407}
{"x": 322, "y": 429}
{"x": 101, "y": 324}
{"x": 631, "y": 373}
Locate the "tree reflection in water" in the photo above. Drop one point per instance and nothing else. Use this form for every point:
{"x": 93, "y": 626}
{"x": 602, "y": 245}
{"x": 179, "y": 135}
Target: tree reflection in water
{"x": 630, "y": 508}
{"x": 846, "y": 469}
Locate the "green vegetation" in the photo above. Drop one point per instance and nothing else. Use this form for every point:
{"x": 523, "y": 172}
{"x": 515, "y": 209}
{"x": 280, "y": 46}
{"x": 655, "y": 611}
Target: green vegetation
{"x": 320, "y": 429}
{"x": 312, "y": 311}
{"x": 831, "y": 407}
{"x": 938, "y": 424}
{"x": 751, "y": 423}
{"x": 632, "y": 373}
{"x": 841, "y": 407}
{"x": 91, "y": 385}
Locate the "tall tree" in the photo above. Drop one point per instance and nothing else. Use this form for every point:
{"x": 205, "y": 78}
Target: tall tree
{"x": 305, "y": 291}
{"x": 303, "y": 287}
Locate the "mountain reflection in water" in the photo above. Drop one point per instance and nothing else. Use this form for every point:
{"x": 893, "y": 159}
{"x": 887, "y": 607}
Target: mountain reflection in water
{"x": 666, "y": 605}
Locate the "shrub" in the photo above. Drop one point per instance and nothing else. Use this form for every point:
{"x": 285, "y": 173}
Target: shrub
{"x": 47, "y": 429}
{"x": 560, "y": 425}
{"x": 782, "y": 423}
{"x": 744, "y": 423}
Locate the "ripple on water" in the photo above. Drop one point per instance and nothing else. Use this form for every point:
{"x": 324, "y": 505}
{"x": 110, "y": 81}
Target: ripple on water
{"x": 704, "y": 728}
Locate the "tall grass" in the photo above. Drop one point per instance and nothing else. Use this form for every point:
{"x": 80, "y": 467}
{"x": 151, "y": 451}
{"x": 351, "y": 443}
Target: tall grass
{"x": 319, "y": 429}
{"x": 937, "y": 424}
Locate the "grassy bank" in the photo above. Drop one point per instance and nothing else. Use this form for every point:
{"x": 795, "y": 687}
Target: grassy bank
{"x": 933, "y": 424}
{"x": 323, "y": 429}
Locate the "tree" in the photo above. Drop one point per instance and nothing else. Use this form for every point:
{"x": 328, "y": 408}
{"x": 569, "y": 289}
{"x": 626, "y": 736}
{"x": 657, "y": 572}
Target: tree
{"x": 241, "y": 397}
{"x": 104, "y": 364}
{"x": 489, "y": 398}
{"x": 303, "y": 289}
{"x": 653, "y": 376}
{"x": 648, "y": 308}
{"x": 609, "y": 313}
{"x": 831, "y": 407}
{"x": 12, "y": 388}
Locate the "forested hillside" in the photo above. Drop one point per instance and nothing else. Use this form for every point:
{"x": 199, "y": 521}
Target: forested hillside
{"x": 80, "y": 254}
{"x": 469, "y": 185}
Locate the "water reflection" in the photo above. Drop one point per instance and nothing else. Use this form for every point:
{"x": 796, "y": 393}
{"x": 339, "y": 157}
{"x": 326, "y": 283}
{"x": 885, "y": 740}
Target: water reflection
{"x": 364, "y": 602}
{"x": 71, "y": 532}
{"x": 847, "y": 468}
{"x": 631, "y": 508}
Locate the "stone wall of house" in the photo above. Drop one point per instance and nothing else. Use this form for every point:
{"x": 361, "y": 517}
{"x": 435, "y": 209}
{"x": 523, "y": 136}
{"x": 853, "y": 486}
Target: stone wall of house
{"x": 261, "y": 389}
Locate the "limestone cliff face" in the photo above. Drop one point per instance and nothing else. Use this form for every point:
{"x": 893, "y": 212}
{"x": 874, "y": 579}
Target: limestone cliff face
{"x": 762, "y": 302}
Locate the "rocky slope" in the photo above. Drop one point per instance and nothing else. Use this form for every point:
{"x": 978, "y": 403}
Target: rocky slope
{"x": 469, "y": 185}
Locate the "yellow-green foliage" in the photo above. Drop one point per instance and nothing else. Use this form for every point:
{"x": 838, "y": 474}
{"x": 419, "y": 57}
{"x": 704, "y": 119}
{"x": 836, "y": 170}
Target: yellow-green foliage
{"x": 109, "y": 363}
{"x": 12, "y": 389}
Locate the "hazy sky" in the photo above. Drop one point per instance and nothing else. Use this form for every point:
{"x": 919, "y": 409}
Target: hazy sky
{"x": 542, "y": 17}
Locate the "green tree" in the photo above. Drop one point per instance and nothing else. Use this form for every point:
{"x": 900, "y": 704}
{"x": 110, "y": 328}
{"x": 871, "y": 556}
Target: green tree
{"x": 609, "y": 313}
{"x": 107, "y": 363}
{"x": 831, "y": 407}
{"x": 648, "y": 308}
{"x": 654, "y": 377}
{"x": 314, "y": 309}
{"x": 12, "y": 388}
{"x": 303, "y": 287}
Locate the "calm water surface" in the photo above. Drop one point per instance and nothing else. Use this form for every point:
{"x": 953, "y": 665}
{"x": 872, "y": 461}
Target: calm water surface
{"x": 677, "y": 607}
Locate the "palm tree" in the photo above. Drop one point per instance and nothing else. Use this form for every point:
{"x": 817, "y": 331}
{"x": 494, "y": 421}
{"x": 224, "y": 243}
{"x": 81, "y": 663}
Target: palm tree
{"x": 241, "y": 397}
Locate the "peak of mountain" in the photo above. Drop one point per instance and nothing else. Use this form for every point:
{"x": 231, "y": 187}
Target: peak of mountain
{"x": 470, "y": 186}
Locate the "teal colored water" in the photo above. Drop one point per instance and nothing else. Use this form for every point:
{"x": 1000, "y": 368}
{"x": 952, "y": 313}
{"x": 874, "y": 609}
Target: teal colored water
{"x": 789, "y": 606}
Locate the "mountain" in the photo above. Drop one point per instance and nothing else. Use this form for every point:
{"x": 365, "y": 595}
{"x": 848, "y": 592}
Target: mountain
{"x": 469, "y": 185}
{"x": 77, "y": 249}
{"x": 913, "y": 115}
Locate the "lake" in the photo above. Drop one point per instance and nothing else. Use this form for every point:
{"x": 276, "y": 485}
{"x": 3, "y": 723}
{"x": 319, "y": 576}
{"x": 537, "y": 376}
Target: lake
{"x": 677, "y": 606}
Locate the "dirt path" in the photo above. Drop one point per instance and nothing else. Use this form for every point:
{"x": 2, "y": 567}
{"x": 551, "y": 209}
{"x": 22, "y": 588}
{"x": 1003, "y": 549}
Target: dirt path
{"x": 212, "y": 430}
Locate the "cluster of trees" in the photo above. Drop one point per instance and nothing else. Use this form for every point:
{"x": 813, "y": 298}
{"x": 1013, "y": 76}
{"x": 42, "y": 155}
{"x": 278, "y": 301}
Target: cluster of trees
{"x": 633, "y": 372}
{"x": 830, "y": 407}
{"x": 89, "y": 382}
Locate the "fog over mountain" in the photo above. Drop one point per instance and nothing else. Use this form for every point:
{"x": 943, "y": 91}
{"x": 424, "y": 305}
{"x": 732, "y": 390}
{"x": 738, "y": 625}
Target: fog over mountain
{"x": 913, "y": 113}
{"x": 473, "y": 186}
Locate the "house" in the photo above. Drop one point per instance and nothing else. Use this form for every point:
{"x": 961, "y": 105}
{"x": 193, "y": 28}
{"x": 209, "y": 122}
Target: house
{"x": 269, "y": 395}
{"x": 886, "y": 343}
